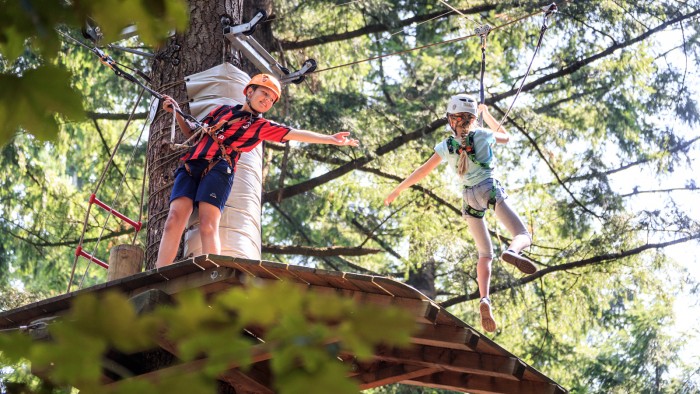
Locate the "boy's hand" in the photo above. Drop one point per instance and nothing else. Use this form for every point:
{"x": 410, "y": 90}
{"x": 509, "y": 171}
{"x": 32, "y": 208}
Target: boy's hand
{"x": 391, "y": 197}
{"x": 342, "y": 139}
{"x": 169, "y": 104}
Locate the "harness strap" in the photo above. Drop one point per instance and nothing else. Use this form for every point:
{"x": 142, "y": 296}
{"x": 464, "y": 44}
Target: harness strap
{"x": 479, "y": 214}
{"x": 454, "y": 147}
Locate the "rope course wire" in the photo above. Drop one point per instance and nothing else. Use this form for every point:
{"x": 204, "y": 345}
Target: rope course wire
{"x": 425, "y": 46}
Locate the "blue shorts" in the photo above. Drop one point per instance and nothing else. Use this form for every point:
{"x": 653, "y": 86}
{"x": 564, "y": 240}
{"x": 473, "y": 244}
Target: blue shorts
{"x": 213, "y": 189}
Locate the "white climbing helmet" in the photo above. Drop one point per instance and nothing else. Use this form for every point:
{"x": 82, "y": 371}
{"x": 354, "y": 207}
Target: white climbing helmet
{"x": 461, "y": 103}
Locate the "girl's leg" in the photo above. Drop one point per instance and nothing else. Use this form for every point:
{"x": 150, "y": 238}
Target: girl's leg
{"x": 478, "y": 230}
{"x": 179, "y": 213}
{"x": 521, "y": 238}
{"x": 515, "y": 226}
{"x": 209, "y": 217}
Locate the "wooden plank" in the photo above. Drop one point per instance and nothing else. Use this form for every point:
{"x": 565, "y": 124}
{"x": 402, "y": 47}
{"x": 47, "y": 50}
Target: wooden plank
{"x": 476, "y": 384}
{"x": 425, "y": 311}
{"x": 337, "y": 280}
{"x": 193, "y": 280}
{"x": 399, "y": 289}
{"x": 459, "y": 361}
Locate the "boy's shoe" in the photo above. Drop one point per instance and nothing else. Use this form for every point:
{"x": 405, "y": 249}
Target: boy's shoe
{"x": 519, "y": 261}
{"x": 487, "y": 321}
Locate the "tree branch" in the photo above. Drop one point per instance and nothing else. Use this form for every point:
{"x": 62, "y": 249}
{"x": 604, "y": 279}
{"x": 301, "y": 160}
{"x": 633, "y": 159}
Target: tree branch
{"x": 575, "y": 66}
{"x": 291, "y": 191}
{"x": 110, "y": 116}
{"x": 569, "y": 266}
{"x": 330, "y": 251}
{"x": 375, "y": 28}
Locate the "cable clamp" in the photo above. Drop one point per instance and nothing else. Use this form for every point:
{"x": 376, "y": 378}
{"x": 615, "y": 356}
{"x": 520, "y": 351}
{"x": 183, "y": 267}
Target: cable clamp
{"x": 483, "y": 30}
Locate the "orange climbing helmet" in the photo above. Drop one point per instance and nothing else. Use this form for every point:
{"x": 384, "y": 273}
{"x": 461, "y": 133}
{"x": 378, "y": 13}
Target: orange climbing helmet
{"x": 267, "y": 81}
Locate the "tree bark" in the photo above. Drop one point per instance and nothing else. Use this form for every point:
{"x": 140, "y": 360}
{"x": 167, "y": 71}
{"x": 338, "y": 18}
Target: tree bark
{"x": 198, "y": 49}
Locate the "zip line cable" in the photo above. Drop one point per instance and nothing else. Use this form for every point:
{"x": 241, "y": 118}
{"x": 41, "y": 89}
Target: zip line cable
{"x": 426, "y": 21}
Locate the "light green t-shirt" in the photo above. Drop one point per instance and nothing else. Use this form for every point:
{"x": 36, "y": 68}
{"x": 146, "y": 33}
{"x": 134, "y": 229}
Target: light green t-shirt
{"x": 483, "y": 141}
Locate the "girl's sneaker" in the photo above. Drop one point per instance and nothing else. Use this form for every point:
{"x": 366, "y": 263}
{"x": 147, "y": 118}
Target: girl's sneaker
{"x": 519, "y": 261}
{"x": 487, "y": 320}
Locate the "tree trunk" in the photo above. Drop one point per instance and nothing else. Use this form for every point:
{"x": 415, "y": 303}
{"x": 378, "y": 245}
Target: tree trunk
{"x": 198, "y": 49}
{"x": 422, "y": 278}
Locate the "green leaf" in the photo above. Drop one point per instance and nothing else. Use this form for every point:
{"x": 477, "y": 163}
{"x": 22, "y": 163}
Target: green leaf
{"x": 33, "y": 101}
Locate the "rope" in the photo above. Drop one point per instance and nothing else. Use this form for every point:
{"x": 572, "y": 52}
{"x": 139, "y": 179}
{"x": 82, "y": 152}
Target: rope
{"x": 111, "y": 206}
{"x": 547, "y": 12}
{"x": 459, "y": 12}
{"x": 97, "y": 187}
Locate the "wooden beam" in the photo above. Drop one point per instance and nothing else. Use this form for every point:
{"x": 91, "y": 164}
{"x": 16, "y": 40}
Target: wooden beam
{"x": 476, "y": 384}
{"x": 391, "y": 373}
{"x": 451, "y": 337}
{"x": 424, "y": 310}
{"x": 459, "y": 361}
{"x": 245, "y": 382}
{"x": 259, "y": 353}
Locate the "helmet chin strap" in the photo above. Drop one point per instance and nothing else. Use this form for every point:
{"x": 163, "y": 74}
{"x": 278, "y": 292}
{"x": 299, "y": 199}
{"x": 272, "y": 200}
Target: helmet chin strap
{"x": 250, "y": 105}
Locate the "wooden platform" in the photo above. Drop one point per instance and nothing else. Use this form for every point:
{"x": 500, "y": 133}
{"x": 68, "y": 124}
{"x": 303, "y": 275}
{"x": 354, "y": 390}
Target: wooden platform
{"x": 446, "y": 352}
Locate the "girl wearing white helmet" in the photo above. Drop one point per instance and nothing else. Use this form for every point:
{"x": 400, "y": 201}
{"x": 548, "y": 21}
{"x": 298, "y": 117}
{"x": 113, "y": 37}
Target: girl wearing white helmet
{"x": 468, "y": 152}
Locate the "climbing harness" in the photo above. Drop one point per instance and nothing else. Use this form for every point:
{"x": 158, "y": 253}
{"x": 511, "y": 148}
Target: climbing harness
{"x": 491, "y": 203}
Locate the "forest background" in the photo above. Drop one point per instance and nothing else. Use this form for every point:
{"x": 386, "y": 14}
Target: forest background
{"x": 601, "y": 168}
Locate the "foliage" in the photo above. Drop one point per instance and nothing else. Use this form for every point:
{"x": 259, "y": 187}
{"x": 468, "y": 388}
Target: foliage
{"x": 604, "y": 142}
{"x": 31, "y": 28}
{"x": 304, "y": 334}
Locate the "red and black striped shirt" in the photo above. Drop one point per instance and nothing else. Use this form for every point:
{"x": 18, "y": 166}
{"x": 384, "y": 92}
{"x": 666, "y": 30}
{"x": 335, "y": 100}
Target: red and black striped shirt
{"x": 244, "y": 134}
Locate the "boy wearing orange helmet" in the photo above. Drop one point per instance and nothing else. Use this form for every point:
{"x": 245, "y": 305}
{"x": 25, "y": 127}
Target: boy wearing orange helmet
{"x": 206, "y": 174}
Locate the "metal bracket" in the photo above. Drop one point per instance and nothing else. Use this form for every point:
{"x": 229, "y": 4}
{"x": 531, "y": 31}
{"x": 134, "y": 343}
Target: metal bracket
{"x": 550, "y": 9}
{"x": 240, "y": 36}
{"x": 483, "y": 30}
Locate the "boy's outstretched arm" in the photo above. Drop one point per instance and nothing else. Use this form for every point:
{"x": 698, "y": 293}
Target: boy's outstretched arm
{"x": 415, "y": 177}
{"x": 313, "y": 137}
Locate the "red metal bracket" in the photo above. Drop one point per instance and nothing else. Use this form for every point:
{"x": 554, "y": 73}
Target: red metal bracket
{"x": 95, "y": 200}
{"x": 80, "y": 252}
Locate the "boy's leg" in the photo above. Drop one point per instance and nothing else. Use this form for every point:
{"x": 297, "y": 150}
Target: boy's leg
{"x": 212, "y": 194}
{"x": 209, "y": 217}
{"x": 179, "y": 213}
